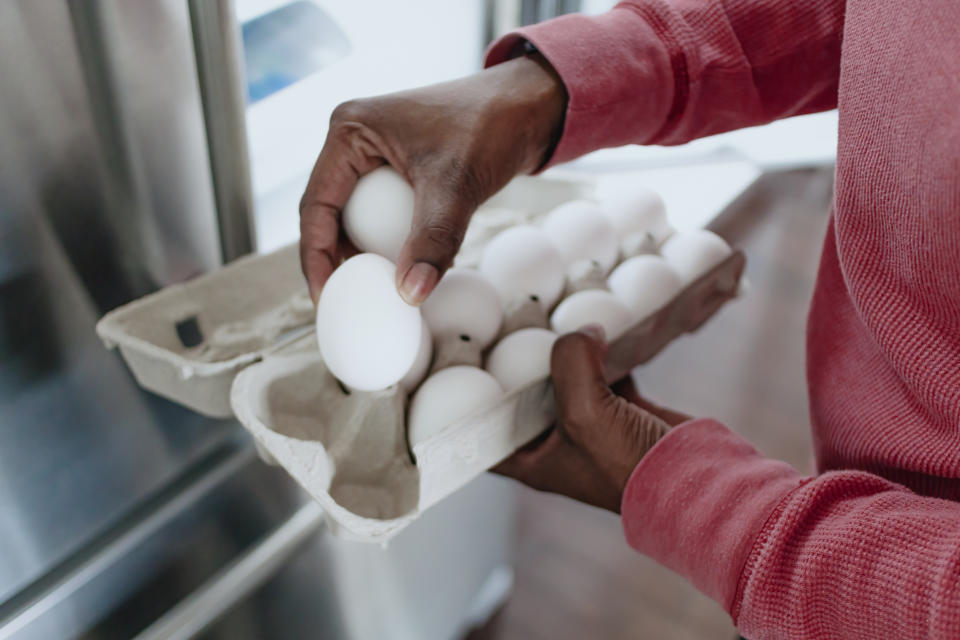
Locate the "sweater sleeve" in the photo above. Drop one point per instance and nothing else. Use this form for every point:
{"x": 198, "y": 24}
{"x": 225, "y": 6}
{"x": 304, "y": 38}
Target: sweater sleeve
{"x": 844, "y": 555}
{"x": 666, "y": 72}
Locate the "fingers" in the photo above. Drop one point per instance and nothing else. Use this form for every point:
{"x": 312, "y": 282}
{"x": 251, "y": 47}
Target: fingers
{"x": 557, "y": 465}
{"x": 627, "y": 389}
{"x": 593, "y": 416}
{"x": 443, "y": 203}
{"x": 671, "y": 417}
{"x": 599, "y": 437}
{"x": 525, "y": 462}
{"x": 328, "y": 188}
{"x": 319, "y": 254}
{"x": 347, "y": 154}
{"x": 576, "y": 366}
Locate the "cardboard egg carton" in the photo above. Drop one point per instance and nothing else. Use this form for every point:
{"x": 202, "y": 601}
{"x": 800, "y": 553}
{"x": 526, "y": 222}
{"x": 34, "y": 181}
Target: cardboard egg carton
{"x": 240, "y": 341}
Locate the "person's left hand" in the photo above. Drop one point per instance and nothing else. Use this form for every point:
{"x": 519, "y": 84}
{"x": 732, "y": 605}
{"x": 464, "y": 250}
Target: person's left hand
{"x": 600, "y": 435}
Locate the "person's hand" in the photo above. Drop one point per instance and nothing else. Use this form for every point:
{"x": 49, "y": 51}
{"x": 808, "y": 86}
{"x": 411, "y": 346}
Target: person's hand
{"x": 600, "y": 434}
{"x": 457, "y": 143}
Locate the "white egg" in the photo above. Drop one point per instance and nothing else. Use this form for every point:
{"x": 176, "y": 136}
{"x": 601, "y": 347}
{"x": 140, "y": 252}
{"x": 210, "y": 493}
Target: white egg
{"x": 368, "y": 336}
{"x": 645, "y": 284}
{"x": 378, "y": 215}
{"x": 420, "y": 366}
{"x": 582, "y": 232}
{"x": 447, "y": 396}
{"x": 636, "y": 211}
{"x": 693, "y": 253}
{"x": 592, "y": 306}
{"x": 522, "y": 263}
{"x": 521, "y": 357}
{"x": 464, "y": 304}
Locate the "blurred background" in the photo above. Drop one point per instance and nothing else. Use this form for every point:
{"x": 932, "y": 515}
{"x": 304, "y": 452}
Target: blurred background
{"x": 145, "y": 143}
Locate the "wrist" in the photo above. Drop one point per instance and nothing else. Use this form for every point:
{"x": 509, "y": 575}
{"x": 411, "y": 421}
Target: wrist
{"x": 533, "y": 98}
{"x": 552, "y": 104}
{"x": 647, "y": 430}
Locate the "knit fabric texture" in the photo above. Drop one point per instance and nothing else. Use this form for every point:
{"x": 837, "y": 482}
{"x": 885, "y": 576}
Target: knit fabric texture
{"x": 870, "y": 547}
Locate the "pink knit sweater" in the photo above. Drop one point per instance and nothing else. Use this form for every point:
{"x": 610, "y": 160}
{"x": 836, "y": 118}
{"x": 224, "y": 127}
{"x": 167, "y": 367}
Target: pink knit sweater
{"x": 870, "y": 548}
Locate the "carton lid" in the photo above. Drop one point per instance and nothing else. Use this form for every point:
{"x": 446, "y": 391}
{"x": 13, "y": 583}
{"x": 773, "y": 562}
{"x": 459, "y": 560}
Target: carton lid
{"x": 203, "y": 331}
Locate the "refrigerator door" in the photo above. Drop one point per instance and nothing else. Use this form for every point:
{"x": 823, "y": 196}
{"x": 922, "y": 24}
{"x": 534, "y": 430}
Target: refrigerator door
{"x": 104, "y": 195}
{"x": 117, "y": 507}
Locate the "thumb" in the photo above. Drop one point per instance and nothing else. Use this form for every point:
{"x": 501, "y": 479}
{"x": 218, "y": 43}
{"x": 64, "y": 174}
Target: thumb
{"x": 576, "y": 366}
{"x": 439, "y": 223}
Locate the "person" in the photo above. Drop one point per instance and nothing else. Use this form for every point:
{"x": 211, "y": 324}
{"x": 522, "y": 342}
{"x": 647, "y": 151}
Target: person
{"x": 869, "y": 547}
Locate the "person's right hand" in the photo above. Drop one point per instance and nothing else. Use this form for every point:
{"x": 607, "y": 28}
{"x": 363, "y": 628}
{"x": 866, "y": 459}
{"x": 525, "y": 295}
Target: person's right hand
{"x": 457, "y": 143}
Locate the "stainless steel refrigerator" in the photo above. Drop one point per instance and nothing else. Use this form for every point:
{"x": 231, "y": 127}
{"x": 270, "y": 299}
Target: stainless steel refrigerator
{"x": 123, "y": 169}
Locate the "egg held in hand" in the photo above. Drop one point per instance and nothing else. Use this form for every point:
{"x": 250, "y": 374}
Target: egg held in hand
{"x": 523, "y": 264}
{"x": 378, "y": 215}
{"x": 645, "y": 284}
{"x": 368, "y": 336}
{"x": 582, "y": 232}
{"x": 592, "y": 306}
{"x": 521, "y": 357}
{"x": 446, "y": 397}
{"x": 694, "y": 253}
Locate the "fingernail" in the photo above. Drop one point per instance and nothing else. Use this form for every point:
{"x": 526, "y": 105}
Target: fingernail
{"x": 419, "y": 281}
{"x": 595, "y": 331}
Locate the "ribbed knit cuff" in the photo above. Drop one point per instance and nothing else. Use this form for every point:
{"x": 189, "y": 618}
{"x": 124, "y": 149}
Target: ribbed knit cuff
{"x": 697, "y": 502}
{"x": 616, "y": 71}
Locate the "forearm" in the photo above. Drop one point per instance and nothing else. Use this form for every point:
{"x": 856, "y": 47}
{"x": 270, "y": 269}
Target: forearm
{"x": 657, "y": 72}
{"x": 847, "y": 554}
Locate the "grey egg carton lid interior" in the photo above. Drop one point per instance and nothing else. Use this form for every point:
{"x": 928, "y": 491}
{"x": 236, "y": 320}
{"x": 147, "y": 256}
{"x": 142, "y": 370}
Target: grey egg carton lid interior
{"x": 188, "y": 341}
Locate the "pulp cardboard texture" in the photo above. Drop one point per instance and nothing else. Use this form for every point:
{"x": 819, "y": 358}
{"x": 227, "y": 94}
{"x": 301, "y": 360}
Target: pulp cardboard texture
{"x": 239, "y": 314}
{"x": 349, "y": 449}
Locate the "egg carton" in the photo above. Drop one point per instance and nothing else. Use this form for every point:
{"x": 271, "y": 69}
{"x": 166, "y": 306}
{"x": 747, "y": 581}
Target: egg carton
{"x": 240, "y": 341}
